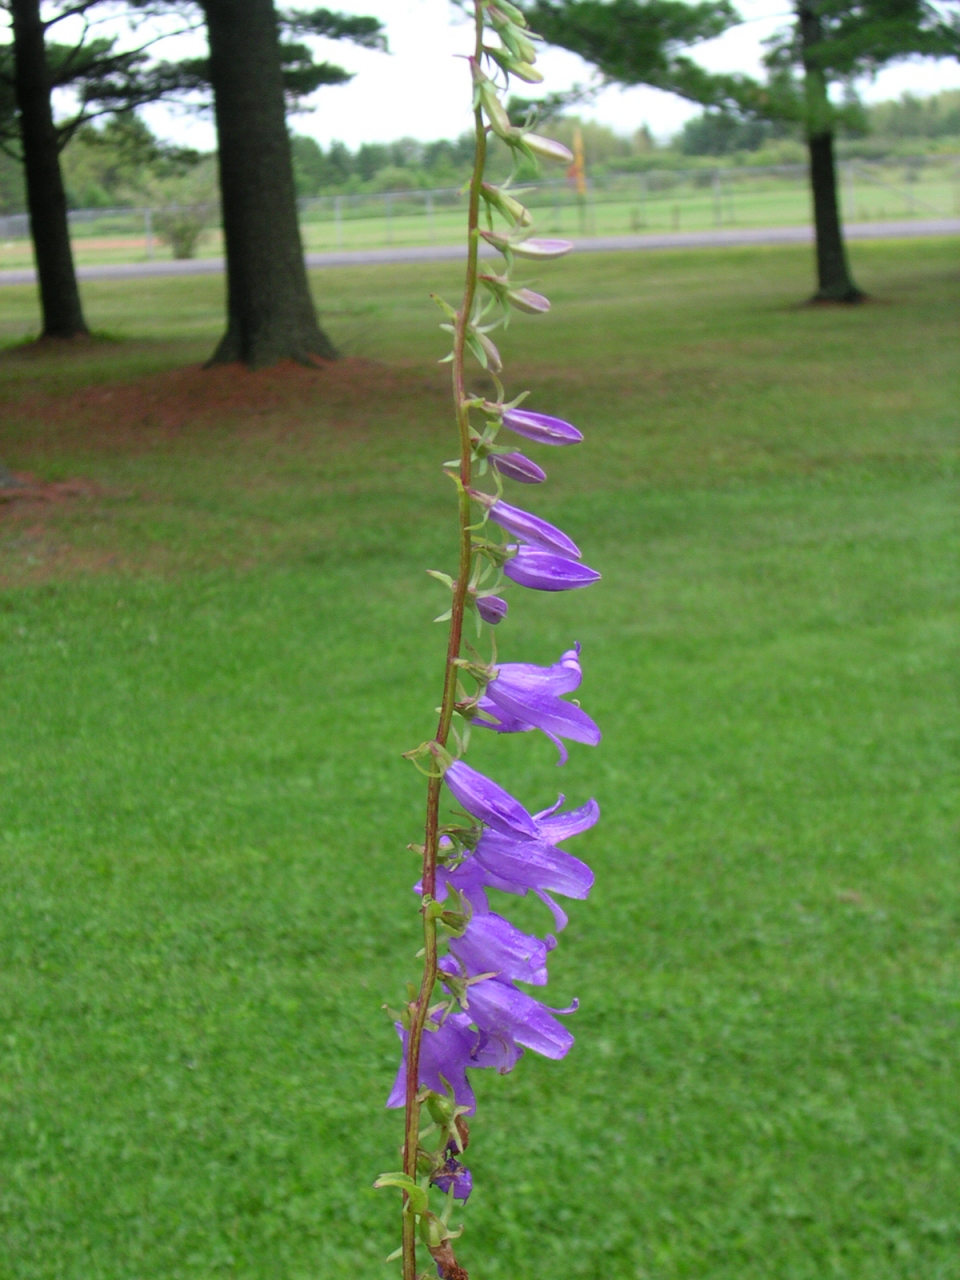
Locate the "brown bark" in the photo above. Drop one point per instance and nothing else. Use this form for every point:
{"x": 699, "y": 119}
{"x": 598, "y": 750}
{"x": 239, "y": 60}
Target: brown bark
{"x": 834, "y": 281}
{"x": 46, "y": 197}
{"x": 270, "y": 313}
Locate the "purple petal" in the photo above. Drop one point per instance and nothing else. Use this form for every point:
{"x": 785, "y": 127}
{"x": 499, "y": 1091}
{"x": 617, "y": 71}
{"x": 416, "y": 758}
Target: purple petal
{"x": 498, "y": 1050}
{"x": 497, "y": 719}
{"x": 503, "y": 1011}
{"x": 453, "y": 1174}
{"x": 541, "y": 427}
{"x": 560, "y": 826}
{"x": 492, "y": 609}
{"x": 541, "y": 248}
{"x": 554, "y": 716}
{"x": 531, "y": 529}
{"x": 516, "y": 467}
{"x": 563, "y": 676}
{"x": 543, "y": 571}
{"x": 469, "y": 879}
{"x": 533, "y": 864}
{"x": 488, "y": 802}
{"x": 492, "y": 944}
{"x": 560, "y": 917}
{"x": 446, "y": 1052}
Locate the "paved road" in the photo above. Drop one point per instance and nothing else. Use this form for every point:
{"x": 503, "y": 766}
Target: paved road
{"x": 450, "y": 252}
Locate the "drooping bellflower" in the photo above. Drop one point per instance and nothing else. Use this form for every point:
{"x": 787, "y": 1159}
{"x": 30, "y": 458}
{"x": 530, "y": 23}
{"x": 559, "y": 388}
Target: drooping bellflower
{"x": 471, "y": 1011}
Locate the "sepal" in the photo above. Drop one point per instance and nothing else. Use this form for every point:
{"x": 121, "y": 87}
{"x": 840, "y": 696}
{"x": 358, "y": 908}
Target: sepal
{"x": 417, "y": 1199}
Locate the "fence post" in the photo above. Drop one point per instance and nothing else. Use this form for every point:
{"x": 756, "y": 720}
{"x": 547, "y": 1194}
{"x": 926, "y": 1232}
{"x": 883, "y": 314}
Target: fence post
{"x": 717, "y": 199}
{"x": 388, "y": 199}
{"x": 643, "y": 200}
{"x": 148, "y": 232}
{"x": 338, "y": 219}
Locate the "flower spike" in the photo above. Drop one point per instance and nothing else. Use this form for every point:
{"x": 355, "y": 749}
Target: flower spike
{"x": 468, "y": 1012}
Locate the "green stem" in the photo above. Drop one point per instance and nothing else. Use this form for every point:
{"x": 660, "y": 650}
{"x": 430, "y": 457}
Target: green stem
{"x": 420, "y": 1008}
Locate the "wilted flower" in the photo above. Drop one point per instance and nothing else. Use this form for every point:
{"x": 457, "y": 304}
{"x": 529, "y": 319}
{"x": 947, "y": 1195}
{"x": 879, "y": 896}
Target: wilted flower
{"x": 453, "y": 1174}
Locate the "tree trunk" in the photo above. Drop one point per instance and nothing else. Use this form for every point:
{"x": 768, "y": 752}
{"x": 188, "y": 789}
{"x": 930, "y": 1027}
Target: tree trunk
{"x": 46, "y": 198}
{"x": 270, "y": 313}
{"x": 834, "y": 282}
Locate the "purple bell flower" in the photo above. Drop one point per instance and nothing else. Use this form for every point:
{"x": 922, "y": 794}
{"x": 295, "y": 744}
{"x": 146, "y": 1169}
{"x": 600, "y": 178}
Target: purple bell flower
{"x": 532, "y": 530}
{"x": 446, "y": 1052}
{"x": 543, "y": 571}
{"x": 541, "y": 427}
{"x": 485, "y": 800}
{"x": 492, "y": 609}
{"x": 492, "y": 944}
{"x": 521, "y": 697}
{"x": 533, "y": 864}
{"x": 506, "y": 1013}
{"x": 516, "y": 467}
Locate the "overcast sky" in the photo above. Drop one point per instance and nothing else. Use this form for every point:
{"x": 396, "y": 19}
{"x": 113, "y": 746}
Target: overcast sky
{"x": 420, "y": 88}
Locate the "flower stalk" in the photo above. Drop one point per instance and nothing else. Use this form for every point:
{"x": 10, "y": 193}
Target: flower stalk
{"x": 420, "y": 1007}
{"x": 467, "y": 1012}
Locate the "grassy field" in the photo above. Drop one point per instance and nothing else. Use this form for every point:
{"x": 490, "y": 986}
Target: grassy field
{"x": 216, "y": 654}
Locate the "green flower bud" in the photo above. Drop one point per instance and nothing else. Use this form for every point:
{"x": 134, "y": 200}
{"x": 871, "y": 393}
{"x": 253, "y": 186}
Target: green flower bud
{"x": 506, "y": 205}
{"x": 547, "y": 148}
{"x": 506, "y": 11}
{"x": 514, "y": 66}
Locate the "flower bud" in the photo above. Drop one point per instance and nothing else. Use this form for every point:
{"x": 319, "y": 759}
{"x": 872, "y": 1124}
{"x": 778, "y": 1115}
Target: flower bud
{"x": 506, "y": 205}
{"x": 485, "y": 351}
{"x": 533, "y": 304}
{"x": 490, "y": 101}
{"x": 516, "y": 467}
{"x": 505, "y": 11}
{"x": 544, "y": 571}
{"x": 541, "y": 427}
{"x": 492, "y": 609}
{"x": 533, "y": 530}
{"x": 547, "y": 148}
{"x": 523, "y": 248}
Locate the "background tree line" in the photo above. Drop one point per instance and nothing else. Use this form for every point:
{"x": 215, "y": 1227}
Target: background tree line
{"x": 261, "y": 62}
{"x": 121, "y": 164}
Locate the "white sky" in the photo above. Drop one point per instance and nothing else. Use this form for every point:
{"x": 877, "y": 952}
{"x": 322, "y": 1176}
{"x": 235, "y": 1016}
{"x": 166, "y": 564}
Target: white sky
{"x": 420, "y": 88}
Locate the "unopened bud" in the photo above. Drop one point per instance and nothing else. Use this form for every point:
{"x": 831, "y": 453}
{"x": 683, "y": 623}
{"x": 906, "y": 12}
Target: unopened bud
{"x": 506, "y": 205}
{"x": 527, "y": 300}
{"x": 547, "y": 148}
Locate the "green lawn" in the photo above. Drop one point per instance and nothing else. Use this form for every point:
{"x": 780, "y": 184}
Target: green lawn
{"x": 214, "y": 660}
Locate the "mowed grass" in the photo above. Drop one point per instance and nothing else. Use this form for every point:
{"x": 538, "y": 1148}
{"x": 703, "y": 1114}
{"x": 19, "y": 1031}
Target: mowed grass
{"x": 213, "y": 661}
